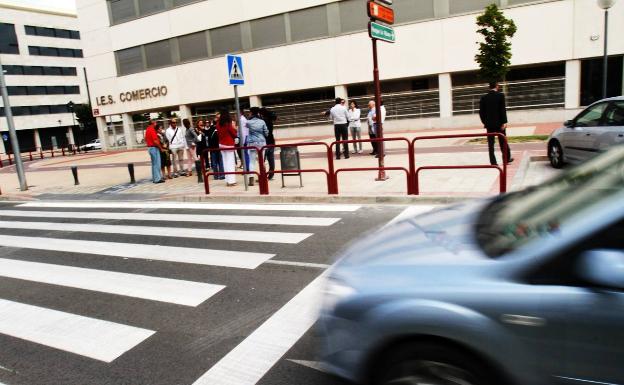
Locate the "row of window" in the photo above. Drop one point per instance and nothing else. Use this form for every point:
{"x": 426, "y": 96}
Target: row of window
{"x": 125, "y": 10}
{"x": 346, "y": 16}
{"x": 39, "y": 70}
{"x": 37, "y": 110}
{"x": 54, "y": 51}
{"x": 8, "y": 39}
{"x": 43, "y": 90}
{"x": 52, "y": 32}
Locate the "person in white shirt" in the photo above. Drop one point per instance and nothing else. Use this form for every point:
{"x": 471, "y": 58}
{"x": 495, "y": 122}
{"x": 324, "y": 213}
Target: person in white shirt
{"x": 372, "y": 124}
{"x": 177, "y": 144}
{"x": 243, "y": 154}
{"x": 355, "y": 126}
{"x": 340, "y": 116}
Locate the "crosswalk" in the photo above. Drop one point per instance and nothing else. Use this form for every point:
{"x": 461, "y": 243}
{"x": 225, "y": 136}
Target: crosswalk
{"x": 84, "y": 246}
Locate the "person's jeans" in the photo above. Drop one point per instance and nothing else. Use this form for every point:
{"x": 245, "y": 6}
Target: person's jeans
{"x": 341, "y": 131}
{"x": 373, "y": 144}
{"x": 490, "y": 140}
{"x": 356, "y": 134}
{"x": 216, "y": 163}
{"x": 269, "y": 156}
{"x": 154, "y": 154}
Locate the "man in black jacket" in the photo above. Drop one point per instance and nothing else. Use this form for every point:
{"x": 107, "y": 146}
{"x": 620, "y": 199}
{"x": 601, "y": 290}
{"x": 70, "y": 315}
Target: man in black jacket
{"x": 493, "y": 113}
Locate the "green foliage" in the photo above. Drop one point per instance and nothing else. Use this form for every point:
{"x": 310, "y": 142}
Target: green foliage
{"x": 494, "y": 57}
{"x": 84, "y": 115}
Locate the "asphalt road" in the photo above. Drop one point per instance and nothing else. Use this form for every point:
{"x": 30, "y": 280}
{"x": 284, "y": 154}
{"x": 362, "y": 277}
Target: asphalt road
{"x": 132, "y": 293}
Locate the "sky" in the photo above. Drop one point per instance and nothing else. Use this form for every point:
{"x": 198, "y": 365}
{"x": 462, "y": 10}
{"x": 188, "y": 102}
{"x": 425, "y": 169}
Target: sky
{"x": 52, "y": 5}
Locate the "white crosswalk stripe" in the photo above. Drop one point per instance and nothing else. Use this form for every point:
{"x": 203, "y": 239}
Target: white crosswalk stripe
{"x": 237, "y": 219}
{"x": 195, "y": 206}
{"x": 89, "y": 337}
{"x": 131, "y": 285}
{"x": 230, "y": 235}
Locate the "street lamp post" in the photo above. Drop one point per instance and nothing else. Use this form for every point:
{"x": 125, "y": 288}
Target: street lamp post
{"x": 605, "y": 4}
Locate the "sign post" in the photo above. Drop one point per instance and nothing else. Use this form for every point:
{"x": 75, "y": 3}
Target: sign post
{"x": 377, "y": 31}
{"x": 236, "y": 78}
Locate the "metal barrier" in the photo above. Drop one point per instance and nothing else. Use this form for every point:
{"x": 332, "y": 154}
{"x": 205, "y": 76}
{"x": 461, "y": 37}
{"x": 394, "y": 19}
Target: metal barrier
{"x": 261, "y": 173}
{"x": 409, "y": 172}
{"x": 503, "y": 171}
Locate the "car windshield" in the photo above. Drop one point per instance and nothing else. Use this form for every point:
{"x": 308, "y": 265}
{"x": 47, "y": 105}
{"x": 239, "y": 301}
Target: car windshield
{"x": 544, "y": 211}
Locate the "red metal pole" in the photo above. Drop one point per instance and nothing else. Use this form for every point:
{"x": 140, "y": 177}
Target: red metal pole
{"x": 203, "y": 158}
{"x": 41, "y": 152}
{"x": 263, "y": 180}
{"x": 380, "y": 145}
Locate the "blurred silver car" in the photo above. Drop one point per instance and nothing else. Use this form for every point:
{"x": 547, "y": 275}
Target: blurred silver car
{"x": 597, "y": 128}
{"x": 525, "y": 288}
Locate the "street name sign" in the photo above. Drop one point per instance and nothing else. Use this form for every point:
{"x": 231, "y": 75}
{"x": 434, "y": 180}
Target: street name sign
{"x": 381, "y": 32}
{"x": 236, "y": 75}
{"x": 380, "y": 12}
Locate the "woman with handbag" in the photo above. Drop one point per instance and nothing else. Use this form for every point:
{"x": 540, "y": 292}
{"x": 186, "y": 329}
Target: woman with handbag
{"x": 226, "y": 130}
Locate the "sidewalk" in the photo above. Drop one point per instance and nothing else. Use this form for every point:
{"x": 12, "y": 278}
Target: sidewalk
{"x": 105, "y": 175}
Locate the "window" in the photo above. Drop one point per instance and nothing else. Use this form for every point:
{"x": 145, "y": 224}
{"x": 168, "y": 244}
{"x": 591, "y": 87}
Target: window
{"x": 51, "y": 32}
{"x": 352, "y": 15}
{"x": 615, "y": 114}
{"x": 226, "y": 39}
{"x": 49, "y": 51}
{"x": 33, "y": 50}
{"x": 53, "y": 51}
{"x": 34, "y": 70}
{"x": 68, "y": 71}
{"x": 268, "y": 31}
{"x": 20, "y": 110}
{"x": 122, "y": 10}
{"x": 43, "y": 31}
{"x": 78, "y": 53}
{"x": 66, "y": 52}
{"x": 52, "y": 71}
{"x": 414, "y": 10}
{"x": 309, "y": 23}
{"x": 129, "y": 61}
{"x": 147, "y": 7}
{"x": 462, "y": 6}
{"x": 59, "y": 109}
{"x": 55, "y": 90}
{"x": 36, "y": 90}
{"x": 74, "y": 35}
{"x": 158, "y": 54}
{"x": 193, "y": 46}
{"x": 39, "y": 110}
{"x": 592, "y": 116}
{"x": 62, "y": 33}
{"x": 16, "y": 90}
{"x": 30, "y": 30}
{"x": 13, "y": 70}
{"x": 177, "y": 3}
{"x": 71, "y": 90}
{"x": 8, "y": 39}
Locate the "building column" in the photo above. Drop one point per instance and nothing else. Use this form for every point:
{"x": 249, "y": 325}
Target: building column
{"x": 128, "y": 129}
{"x": 37, "y": 138}
{"x": 341, "y": 92}
{"x": 70, "y": 136}
{"x": 573, "y": 84}
{"x": 255, "y": 101}
{"x": 445, "y": 89}
{"x": 102, "y": 131}
{"x": 185, "y": 113}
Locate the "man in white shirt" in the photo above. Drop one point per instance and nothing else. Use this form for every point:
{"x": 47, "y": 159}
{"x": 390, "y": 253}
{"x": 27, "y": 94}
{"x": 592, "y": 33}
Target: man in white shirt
{"x": 177, "y": 144}
{"x": 340, "y": 116}
{"x": 245, "y": 132}
{"x": 372, "y": 124}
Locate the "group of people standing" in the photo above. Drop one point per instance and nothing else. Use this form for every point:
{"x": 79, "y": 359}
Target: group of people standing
{"x": 171, "y": 147}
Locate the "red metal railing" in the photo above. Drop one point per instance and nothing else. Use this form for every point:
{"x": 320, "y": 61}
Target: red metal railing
{"x": 261, "y": 174}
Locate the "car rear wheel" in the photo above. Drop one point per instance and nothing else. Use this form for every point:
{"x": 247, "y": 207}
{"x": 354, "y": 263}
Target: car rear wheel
{"x": 555, "y": 154}
{"x": 432, "y": 365}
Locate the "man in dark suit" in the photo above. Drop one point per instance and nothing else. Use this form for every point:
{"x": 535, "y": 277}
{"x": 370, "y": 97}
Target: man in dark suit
{"x": 493, "y": 113}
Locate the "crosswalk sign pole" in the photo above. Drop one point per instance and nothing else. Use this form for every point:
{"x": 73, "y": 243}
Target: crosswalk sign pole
{"x": 240, "y": 135}
{"x": 236, "y": 78}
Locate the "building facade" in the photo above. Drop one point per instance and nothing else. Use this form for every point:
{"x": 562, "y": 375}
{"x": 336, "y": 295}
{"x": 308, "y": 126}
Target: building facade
{"x": 42, "y": 58}
{"x": 168, "y": 55}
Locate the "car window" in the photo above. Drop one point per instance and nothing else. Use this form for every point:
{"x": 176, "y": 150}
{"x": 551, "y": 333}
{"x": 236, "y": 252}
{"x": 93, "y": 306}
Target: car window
{"x": 592, "y": 116}
{"x": 615, "y": 114}
{"x": 544, "y": 212}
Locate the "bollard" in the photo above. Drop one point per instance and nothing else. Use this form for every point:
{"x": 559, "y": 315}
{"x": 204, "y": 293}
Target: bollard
{"x": 198, "y": 170}
{"x": 131, "y": 172}
{"x": 74, "y": 170}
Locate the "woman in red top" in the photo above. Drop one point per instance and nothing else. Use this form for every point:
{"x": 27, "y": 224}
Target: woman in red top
{"x": 226, "y": 129}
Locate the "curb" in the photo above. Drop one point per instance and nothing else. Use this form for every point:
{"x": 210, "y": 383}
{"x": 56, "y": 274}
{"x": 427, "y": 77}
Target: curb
{"x": 523, "y": 168}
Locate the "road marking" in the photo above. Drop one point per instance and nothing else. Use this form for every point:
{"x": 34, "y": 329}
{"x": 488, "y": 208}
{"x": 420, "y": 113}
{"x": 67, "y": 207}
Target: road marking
{"x": 89, "y": 337}
{"x": 195, "y": 206}
{"x": 132, "y": 285}
{"x": 239, "y": 219}
{"x": 299, "y": 264}
{"x": 238, "y": 259}
{"x": 248, "y": 362}
{"x": 411, "y": 211}
{"x": 228, "y": 235}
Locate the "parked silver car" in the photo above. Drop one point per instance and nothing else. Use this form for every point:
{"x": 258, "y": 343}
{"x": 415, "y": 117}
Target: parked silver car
{"x": 525, "y": 288}
{"x": 597, "y": 128}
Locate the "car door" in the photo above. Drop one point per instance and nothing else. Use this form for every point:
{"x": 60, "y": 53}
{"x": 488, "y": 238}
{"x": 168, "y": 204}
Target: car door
{"x": 613, "y": 126}
{"x": 580, "y": 143}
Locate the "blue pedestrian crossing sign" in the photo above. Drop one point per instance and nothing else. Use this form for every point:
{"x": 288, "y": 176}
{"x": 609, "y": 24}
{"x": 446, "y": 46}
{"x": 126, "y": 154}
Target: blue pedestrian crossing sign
{"x": 235, "y": 70}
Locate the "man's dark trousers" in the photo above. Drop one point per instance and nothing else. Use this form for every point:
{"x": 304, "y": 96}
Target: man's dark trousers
{"x": 493, "y": 114}
{"x": 342, "y": 133}
{"x": 502, "y": 145}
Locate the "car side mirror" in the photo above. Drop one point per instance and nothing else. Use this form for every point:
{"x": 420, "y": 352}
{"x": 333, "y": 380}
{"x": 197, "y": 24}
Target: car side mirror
{"x": 603, "y": 268}
{"x": 569, "y": 123}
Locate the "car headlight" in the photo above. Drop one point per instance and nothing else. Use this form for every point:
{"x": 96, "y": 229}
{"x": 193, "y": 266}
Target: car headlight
{"x": 335, "y": 291}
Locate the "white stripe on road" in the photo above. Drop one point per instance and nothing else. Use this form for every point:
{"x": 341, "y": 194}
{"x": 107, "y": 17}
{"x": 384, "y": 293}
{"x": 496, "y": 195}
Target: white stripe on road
{"x": 238, "y": 259}
{"x": 194, "y": 206}
{"x": 89, "y": 337}
{"x": 131, "y": 285}
{"x": 248, "y": 362}
{"x": 239, "y": 219}
{"x": 228, "y": 235}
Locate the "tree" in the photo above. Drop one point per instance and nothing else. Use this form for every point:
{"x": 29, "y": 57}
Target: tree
{"x": 494, "y": 57}
{"x": 84, "y": 115}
